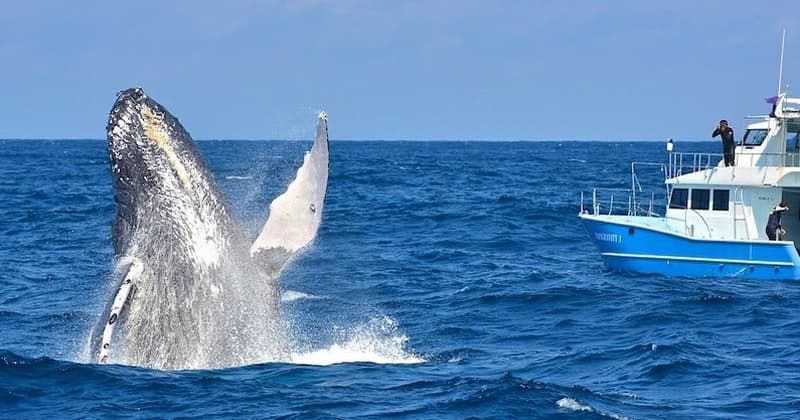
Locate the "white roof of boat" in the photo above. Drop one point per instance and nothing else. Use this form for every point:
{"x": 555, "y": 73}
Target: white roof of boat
{"x": 761, "y": 125}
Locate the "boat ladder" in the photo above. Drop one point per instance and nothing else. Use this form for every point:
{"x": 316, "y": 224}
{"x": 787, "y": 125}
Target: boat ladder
{"x": 739, "y": 215}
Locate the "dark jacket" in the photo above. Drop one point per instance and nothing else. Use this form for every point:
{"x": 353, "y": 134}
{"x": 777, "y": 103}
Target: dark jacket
{"x": 727, "y": 135}
{"x": 774, "y": 221}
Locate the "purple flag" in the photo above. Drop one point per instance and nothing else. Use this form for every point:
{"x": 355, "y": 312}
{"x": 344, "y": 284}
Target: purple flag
{"x": 773, "y": 100}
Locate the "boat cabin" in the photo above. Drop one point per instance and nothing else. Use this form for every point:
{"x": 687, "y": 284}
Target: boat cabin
{"x": 719, "y": 202}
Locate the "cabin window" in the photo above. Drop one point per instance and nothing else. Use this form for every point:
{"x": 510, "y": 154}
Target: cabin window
{"x": 700, "y": 199}
{"x": 721, "y": 198}
{"x": 754, "y": 137}
{"x": 679, "y": 199}
{"x": 793, "y": 139}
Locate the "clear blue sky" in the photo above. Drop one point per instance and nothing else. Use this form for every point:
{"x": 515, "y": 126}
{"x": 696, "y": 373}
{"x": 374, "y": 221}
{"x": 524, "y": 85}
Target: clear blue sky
{"x": 495, "y": 70}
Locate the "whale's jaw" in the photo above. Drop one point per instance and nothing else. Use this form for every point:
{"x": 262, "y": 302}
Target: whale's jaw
{"x": 161, "y": 181}
{"x": 154, "y": 161}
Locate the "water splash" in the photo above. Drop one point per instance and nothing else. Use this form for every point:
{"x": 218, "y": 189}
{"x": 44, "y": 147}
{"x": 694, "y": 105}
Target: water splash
{"x": 293, "y": 295}
{"x": 378, "y": 341}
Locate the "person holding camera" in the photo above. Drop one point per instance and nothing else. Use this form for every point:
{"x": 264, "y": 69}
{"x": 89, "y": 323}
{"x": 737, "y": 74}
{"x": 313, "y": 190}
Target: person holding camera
{"x": 728, "y": 144}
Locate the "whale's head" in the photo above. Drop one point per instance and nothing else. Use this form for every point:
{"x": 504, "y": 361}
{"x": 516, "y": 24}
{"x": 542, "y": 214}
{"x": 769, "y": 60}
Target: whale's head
{"x": 155, "y": 165}
{"x": 146, "y": 144}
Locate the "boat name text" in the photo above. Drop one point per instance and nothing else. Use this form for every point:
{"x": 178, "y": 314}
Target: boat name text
{"x": 608, "y": 237}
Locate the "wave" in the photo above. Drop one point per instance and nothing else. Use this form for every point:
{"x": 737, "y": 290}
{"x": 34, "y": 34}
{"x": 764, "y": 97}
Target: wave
{"x": 239, "y": 177}
{"x": 8, "y": 358}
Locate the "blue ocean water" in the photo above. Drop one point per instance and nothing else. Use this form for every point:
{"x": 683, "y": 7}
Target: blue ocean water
{"x": 449, "y": 279}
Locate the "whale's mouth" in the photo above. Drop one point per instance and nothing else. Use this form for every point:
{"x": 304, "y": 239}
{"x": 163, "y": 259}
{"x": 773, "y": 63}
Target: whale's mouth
{"x": 121, "y": 119}
{"x": 125, "y": 133}
{"x": 149, "y": 150}
{"x": 129, "y": 171}
{"x": 139, "y": 127}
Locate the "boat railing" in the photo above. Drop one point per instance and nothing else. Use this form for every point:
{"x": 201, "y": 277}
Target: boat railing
{"x": 689, "y": 228}
{"x": 620, "y": 201}
{"x": 623, "y": 201}
{"x": 685, "y": 163}
{"x": 680, "y": 163}
{"x": 791, "y": 159}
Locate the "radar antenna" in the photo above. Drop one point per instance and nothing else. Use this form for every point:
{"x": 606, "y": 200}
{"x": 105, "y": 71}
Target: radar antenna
{"x": 780, "y": 71}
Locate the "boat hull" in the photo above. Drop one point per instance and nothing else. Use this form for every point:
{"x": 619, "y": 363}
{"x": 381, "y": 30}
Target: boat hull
{"x": 629, "y": 246}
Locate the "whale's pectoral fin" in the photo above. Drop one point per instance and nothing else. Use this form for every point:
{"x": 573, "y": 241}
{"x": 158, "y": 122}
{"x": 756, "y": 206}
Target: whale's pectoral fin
{"x": 294, "y": 216}
{"x": 124, "y": 294}
{"x": 272, "y": 259}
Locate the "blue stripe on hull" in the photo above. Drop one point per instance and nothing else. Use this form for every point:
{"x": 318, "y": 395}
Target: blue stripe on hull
{"x": 626, "y": 247}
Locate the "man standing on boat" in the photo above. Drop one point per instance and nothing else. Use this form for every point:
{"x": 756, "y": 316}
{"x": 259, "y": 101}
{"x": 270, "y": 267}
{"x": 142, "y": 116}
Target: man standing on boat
{"x": 775, "y": 229}
{"x": 728, "y": 144}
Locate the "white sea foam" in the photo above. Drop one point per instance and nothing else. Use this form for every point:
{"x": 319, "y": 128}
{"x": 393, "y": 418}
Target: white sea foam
{"x": 376, "y": 342}
{"x": 293, "y": 295}
{"x": 573, "y": 405}
{"x": 238, "y": 177}
{"x": 456, "y": 359}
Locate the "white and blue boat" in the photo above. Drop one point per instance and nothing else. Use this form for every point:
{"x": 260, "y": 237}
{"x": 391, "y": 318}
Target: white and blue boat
{"x": 714, "y": 216}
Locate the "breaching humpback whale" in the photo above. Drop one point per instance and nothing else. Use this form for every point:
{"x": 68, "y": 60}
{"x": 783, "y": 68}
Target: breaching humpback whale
{"x": 194, "y": 293}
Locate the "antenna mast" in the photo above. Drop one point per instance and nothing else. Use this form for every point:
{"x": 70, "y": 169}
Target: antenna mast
{"x": 780, "y": 72}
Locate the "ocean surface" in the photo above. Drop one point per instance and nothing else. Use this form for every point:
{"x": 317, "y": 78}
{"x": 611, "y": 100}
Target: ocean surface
{"x": 448, "y": 280}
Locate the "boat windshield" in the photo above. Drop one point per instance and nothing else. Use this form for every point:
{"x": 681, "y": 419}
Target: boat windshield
{"x": 793, "y": 137}
{"x": 754, "y": 137}
{"x": 793, "y": 141}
